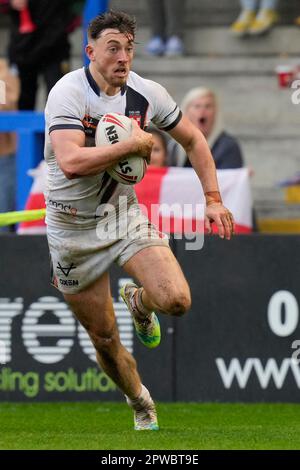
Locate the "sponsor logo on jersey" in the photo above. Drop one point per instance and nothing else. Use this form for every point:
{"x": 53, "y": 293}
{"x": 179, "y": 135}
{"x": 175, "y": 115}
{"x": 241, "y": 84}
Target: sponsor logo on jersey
{"x": 67, "y": 208}
{"x": 136, "y": 115}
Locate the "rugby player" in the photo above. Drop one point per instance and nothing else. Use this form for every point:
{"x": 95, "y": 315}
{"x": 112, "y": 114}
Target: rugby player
{"x": 80, "y": 191}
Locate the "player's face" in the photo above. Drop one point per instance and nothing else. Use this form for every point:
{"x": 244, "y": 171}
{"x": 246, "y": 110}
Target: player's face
{"x": 202, "y": 113}
{"x": 111, "y": 55}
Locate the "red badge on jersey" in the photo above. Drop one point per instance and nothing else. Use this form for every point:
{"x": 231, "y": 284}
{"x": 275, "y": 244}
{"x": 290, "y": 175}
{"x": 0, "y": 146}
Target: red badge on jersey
{"x": 136, "y": 115}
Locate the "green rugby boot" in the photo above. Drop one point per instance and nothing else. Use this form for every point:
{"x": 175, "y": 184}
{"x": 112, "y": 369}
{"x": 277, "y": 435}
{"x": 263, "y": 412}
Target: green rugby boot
{"x": 148, "y": 329}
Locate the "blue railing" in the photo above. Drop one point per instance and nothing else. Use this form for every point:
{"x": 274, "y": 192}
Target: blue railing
{"x": 30, "y": 125}
{"x": 92, "y": 8}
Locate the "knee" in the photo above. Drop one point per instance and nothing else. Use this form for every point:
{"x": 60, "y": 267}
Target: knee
{"x": 104, "y": 343}
{"x": 179, "y": 304}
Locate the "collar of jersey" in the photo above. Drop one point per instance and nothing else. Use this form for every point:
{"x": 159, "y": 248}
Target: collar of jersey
{"x": 94, "y": 85}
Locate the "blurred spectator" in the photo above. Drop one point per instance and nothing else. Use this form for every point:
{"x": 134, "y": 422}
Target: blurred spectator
{"x": 257, "y": 17}
{"x": 4, "y": 6}
{"x": 200, "y": 105}
{"x": 75, "y": 14}
{"x": 166, "y": 22}
{"x": 39, "y": 43}
{"x": 8, "y": 143}
{"x": 297, "y": 21}
{"x": 159, "y": 152}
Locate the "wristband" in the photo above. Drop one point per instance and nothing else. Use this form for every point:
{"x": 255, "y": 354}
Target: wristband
{"x": 213, "y": 197}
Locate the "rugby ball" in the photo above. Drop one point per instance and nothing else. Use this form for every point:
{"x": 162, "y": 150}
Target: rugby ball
{"x": 113, "y": 128}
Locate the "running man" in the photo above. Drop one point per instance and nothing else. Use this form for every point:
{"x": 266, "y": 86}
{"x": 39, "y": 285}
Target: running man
{"x": 79, "y": 190}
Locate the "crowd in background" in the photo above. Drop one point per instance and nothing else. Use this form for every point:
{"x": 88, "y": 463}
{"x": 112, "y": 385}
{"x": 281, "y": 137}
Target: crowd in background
{"x": 39, "y": 47}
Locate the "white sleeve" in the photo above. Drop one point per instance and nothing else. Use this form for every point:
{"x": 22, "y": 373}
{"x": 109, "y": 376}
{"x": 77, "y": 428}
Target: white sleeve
{"x": 166, "y": 114}
{"x": 65, "y": 107}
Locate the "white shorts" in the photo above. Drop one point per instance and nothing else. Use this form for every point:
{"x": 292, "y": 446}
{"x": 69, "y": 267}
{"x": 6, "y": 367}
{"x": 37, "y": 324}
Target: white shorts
{"x": 80, "y": 257}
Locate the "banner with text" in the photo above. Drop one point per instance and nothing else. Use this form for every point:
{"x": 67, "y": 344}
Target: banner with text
{"x": 239, "y": 342}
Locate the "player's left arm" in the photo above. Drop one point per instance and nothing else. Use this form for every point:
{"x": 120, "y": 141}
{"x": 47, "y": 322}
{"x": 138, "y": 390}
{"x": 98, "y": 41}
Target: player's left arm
{"x": 195, "y": 145}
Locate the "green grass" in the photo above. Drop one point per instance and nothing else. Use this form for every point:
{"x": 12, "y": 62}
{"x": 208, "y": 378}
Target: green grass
{"x": 183, "y": 426}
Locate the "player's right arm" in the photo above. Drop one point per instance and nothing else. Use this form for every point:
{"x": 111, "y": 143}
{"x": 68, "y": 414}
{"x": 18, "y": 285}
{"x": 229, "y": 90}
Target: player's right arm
{"x": 76, "y": 160}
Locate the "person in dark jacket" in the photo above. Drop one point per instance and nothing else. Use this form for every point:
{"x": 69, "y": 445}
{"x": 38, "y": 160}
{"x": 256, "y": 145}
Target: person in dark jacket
{"x": 41, "y": 46}
{"x": 8, "y": 143}
{"x": 201, "y": 107}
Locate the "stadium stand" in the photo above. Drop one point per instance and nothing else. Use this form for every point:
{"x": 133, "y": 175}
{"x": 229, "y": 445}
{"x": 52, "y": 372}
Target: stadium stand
{"x": 261, "y": 115}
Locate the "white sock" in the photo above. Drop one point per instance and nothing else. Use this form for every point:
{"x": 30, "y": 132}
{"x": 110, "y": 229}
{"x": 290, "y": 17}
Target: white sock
{"x": 143, "y": 397}
{"x": 142, "y": 311}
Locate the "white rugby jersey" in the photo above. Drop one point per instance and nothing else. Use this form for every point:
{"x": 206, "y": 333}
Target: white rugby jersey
{"x": 76, "y": 102}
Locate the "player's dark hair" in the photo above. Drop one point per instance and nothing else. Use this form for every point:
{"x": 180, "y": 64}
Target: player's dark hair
{"x": 112, "y": 19}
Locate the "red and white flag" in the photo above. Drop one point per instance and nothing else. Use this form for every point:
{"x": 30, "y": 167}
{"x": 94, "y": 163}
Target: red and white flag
{"x": 36, "y": 200}
{"x": 172, "y": 197}
{"x": 180, "y": 199}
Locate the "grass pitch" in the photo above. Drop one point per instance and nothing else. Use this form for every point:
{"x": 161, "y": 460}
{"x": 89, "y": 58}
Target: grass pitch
{"x": 184, "y": 426}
